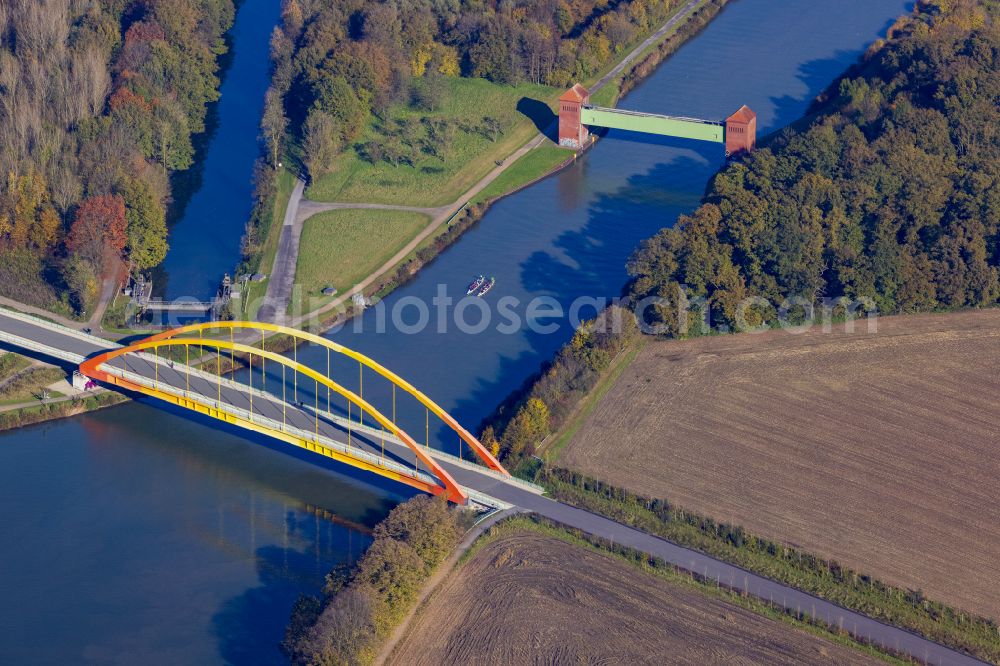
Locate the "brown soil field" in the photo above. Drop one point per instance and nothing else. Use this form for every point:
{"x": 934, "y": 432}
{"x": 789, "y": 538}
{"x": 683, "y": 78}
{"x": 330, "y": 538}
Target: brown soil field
{"x": 880, "y": 449}
{"x": 528, "y": 598}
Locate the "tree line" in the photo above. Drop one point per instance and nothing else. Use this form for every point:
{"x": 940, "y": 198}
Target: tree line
{"x": 519, "y": 425}
{"x": 889, "y": 196}
{"x": 360, "y": 606}
{"x": 98, "y": 104}
{"x": 339, "y": 62}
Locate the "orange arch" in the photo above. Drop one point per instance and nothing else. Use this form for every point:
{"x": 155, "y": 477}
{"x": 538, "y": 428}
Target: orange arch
{"x": 91, "y": 368}
{"x": 484, "y": 455}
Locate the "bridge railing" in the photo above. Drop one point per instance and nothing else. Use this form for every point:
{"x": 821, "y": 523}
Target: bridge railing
{"x": 54, "y": 352}
{"x": 272, "y": 424}
{"x": 60, "y": 328}
{"x": 645, "y": 114}
{"x": 304, "y": 435}
{"x": 342, "y": 421}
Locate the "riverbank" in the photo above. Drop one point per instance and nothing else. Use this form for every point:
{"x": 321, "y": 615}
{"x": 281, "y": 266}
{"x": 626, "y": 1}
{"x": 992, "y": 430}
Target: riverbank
{"x": 16, "y": 416}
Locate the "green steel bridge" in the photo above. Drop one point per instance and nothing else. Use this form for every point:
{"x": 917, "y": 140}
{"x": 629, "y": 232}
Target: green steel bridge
{"x": 738, "y": 132}
{"x": 652, "y": 123}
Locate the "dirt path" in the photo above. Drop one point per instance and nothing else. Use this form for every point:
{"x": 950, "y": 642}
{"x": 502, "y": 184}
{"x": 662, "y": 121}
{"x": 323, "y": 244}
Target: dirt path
{"x": 308, "y": 208}
{"x": 447, "y": 568}
{"x": 444, "y": 214}
{"x": 107, "y": 293}
{"x": 39, "y": 312}
{"x": 652, "y": 39}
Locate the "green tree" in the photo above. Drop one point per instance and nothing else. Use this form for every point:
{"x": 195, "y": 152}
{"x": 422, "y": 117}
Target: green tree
{"x": 147, "y": 227}
{"x": 320, "y": 143}
{"x": 426, "y": 524}
{"x": 81, "y": 279}
{"x": 336, "y": 97}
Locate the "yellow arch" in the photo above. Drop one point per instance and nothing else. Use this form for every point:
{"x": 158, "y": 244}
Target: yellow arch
{"x": 91, "y": 368}
{"x": 488, "y": 459}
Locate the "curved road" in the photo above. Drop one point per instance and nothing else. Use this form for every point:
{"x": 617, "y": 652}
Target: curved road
{"x": 37, "y": 331}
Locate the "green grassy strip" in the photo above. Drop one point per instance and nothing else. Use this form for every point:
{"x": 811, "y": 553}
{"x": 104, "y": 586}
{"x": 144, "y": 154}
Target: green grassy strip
{"x": 535, "y": 165}
{"x": 340, "y": 248}
{"x": 11, "y": 364}
{"x": 437, "y": 179}
{"x": 29, "y": 384}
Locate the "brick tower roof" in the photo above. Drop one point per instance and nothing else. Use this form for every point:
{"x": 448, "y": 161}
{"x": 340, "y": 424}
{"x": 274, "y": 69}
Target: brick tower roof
{"x": 744, "y": 115}
{"x": 575, "y": 94}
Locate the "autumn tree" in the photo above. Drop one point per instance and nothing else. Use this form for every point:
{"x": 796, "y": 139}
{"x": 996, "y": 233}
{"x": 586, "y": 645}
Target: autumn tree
{"x": 82, "y": 281}
{"x": 99, "y": 233}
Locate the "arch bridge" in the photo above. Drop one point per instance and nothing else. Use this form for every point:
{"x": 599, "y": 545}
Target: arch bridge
{"x": 187, "y": 367}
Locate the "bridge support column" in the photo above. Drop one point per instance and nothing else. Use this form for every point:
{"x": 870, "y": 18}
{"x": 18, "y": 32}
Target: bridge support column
{"x": 573, "y": 133}
{"x": 741, "y": 132}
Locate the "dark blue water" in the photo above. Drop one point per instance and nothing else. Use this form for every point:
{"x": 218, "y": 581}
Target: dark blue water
{"x": 214, "y": 200}
{"x": 571, "y": 235}
{"x": 144, "y": 535}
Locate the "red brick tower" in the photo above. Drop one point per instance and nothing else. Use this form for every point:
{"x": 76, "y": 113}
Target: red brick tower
{"x": 572, "y": 134}
{"x": 741, "y": 131}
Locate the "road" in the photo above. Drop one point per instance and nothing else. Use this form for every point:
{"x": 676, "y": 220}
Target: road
{"x": 515, "y": 494}
{"x": 279, "y": 287}
{"x": 648, "y": 42}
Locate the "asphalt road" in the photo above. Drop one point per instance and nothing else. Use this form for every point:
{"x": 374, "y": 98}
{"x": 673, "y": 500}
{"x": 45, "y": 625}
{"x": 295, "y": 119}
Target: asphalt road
{"x": 279, "y": 287}
{"x": 514, "y": 494}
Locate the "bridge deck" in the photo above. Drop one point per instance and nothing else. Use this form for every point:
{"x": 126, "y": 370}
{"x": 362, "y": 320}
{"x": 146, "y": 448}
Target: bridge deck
{"x": 652, "y": 123}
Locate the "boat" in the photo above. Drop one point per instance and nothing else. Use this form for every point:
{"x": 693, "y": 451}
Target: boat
{"x": 476, "y": 284}
{"x": 487, "y": 287}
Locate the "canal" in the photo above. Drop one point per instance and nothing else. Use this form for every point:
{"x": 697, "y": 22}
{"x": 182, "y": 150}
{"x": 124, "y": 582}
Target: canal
{"x": 213, "y": 199}
{"x": 146, "y": 535}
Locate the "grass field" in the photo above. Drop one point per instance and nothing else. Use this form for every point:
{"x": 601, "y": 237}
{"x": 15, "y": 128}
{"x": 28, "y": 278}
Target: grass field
{"x": 431, "y": 180}
{"x": 27, "y": 384}
{"x": 11, "y": 364}
{"x": 530, "y": 597}
{"x": 340, "y": 248}
{"x": 878, "y": 450}
{"x": 532, "y": 166}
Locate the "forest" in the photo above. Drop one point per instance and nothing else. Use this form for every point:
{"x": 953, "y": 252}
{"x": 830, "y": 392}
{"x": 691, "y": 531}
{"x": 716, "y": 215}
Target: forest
{"x": 99, "y": 101}
{"x": 888, "y": 197}
{"x": 339, "y": 63}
